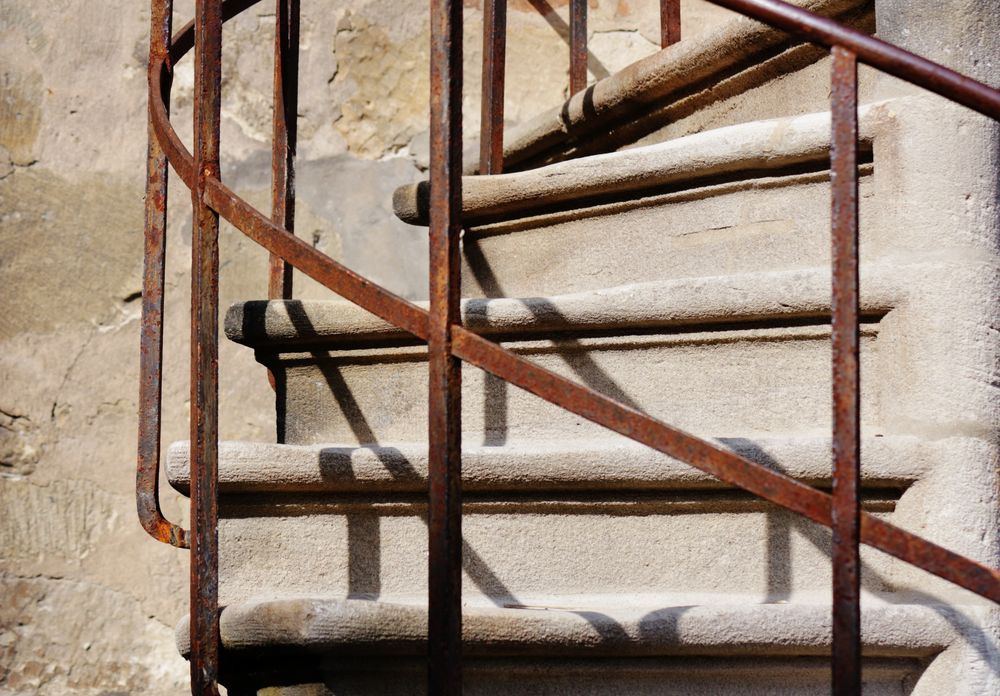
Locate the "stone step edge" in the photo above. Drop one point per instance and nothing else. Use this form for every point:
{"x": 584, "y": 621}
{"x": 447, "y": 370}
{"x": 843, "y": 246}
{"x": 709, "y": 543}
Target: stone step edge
{"x": 679, "y": 304}
{"x": 747, "y": 150}
{"x": 367, "y": 627}
{"x": 663, "y": 76}
{"x": 892, "y": 462}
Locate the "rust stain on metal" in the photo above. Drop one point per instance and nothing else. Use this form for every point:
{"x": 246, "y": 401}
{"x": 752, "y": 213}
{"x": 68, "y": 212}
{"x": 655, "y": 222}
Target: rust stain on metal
{"x": 147, "y": 481}
{"x": 577, "y": 46}
{"x": 670, "y": 22}
{"x": 494, "y": 62}
{"x": 846, "y": 510}
{"x": 283, "y": 143}
{"x": 444, "y": 418}
{"x": 205, "y": 353}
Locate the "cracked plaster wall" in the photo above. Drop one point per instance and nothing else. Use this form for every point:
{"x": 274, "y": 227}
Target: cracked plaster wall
{"x": 86, "y": 598}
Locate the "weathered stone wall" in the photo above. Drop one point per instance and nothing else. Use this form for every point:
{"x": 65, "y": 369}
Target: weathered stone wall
{"x": 87, "y": 601}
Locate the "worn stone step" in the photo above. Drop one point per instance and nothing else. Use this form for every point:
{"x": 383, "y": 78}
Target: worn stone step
{"x": 743, "y": 151}
{"x": 702, "y": 643}
{"x": 742, "y": 199}
{"x": 551, "y": 519}
{"x": 247, "y": 469}
{"x": 743, "y": 71}
{"x": 738, "y": 354}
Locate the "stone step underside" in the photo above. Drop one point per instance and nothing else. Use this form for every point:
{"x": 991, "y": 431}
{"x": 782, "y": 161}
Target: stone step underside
{"x": 744, "y": 199}
{"x": 555, "y": 517}
{"x": 749, "y": 381}
{"x": 518, "y": 546}
{"x": 559, "y": 518}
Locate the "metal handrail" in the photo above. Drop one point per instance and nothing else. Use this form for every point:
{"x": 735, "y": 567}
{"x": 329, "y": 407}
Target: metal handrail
{"x": 450, "y": 343}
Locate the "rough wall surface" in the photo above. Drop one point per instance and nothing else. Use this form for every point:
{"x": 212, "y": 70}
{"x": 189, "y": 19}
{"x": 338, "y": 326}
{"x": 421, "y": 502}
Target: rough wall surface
{"x": 87, "y": 601}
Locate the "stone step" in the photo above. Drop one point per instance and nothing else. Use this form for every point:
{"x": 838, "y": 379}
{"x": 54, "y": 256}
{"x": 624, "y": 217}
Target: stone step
{"x": 544, "y": 467}
{"x": 748, "y": 198}
{"x": 551, "y": 519}
{"x": 737, "y": 354}
{"x": 743, "y": 356}
{"x": 704, "y": 644}
{"x": 743, "y": 71}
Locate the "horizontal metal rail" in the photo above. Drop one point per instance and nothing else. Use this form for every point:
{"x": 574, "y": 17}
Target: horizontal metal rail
{"x": 441, "y": 326}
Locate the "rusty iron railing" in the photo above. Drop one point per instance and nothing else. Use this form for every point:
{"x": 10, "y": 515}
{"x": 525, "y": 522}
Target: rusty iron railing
{"x": 450, "y": 344}
{"x": 494, "y": 54}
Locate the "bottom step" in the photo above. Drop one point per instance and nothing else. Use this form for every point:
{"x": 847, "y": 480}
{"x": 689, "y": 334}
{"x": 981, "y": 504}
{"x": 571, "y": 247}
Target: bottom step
{"x": 585, "y": 645}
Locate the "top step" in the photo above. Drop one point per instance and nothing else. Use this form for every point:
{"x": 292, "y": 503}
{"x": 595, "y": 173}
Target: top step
{"x": 682, "y": 89}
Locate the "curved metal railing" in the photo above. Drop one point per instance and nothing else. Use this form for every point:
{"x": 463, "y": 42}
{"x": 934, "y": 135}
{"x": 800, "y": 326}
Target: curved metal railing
{"x": 450, "y": 343}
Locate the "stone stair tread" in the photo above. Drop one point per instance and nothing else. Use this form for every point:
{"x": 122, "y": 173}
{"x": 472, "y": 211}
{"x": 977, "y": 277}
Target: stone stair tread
{"x": 536, "y": 467}
{"x": 688, "y": 302}
{"x": 892, "y": 626}
{"x": 674, "y": 71}
{"x": 748, "y": 149}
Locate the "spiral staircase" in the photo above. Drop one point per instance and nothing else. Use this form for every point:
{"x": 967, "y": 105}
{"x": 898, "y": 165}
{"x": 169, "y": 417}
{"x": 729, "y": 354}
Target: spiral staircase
{"x": 662, "y": 239}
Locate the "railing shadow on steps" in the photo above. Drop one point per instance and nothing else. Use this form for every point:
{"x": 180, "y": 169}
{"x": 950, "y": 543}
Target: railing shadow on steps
{"x": 450, "y": 343}
{"x": 395, "y": 462}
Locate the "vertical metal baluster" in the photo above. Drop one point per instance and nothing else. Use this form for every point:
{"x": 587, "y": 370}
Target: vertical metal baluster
{"x": 494, "y": 59}
{"x": 577, "y": 46}
{"x": 444, "y": 412}
{"x": 846, "y": 378}
{"x": 204, "y": 354}
{"x": 151, "y": 342}
{"x": 670, "y": 22}
{"x": 286, "y": 103}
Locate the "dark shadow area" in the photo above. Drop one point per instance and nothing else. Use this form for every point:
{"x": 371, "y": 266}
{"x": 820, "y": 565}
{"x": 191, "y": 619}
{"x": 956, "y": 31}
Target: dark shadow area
{"x": 494, "y": 410}
{"x": 572, "y": 352}
{"x": 363, "y": 530}
{"x": 981, "y": 641}
{"x": 661, "y": 625}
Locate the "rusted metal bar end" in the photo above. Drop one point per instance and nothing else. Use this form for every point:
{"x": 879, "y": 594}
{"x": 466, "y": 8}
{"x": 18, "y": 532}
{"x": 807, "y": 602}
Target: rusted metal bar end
{"x": 147, "y": 479}
{"x": 577, "y": 46}
{"x": 845, "y": 511}
{"x": 670, "y": 22}
{"x": 494, "y": 60}
{"x": 445, "y": 406}
{"x": 283, "y": 143}
{"x": 204, "y": 354}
